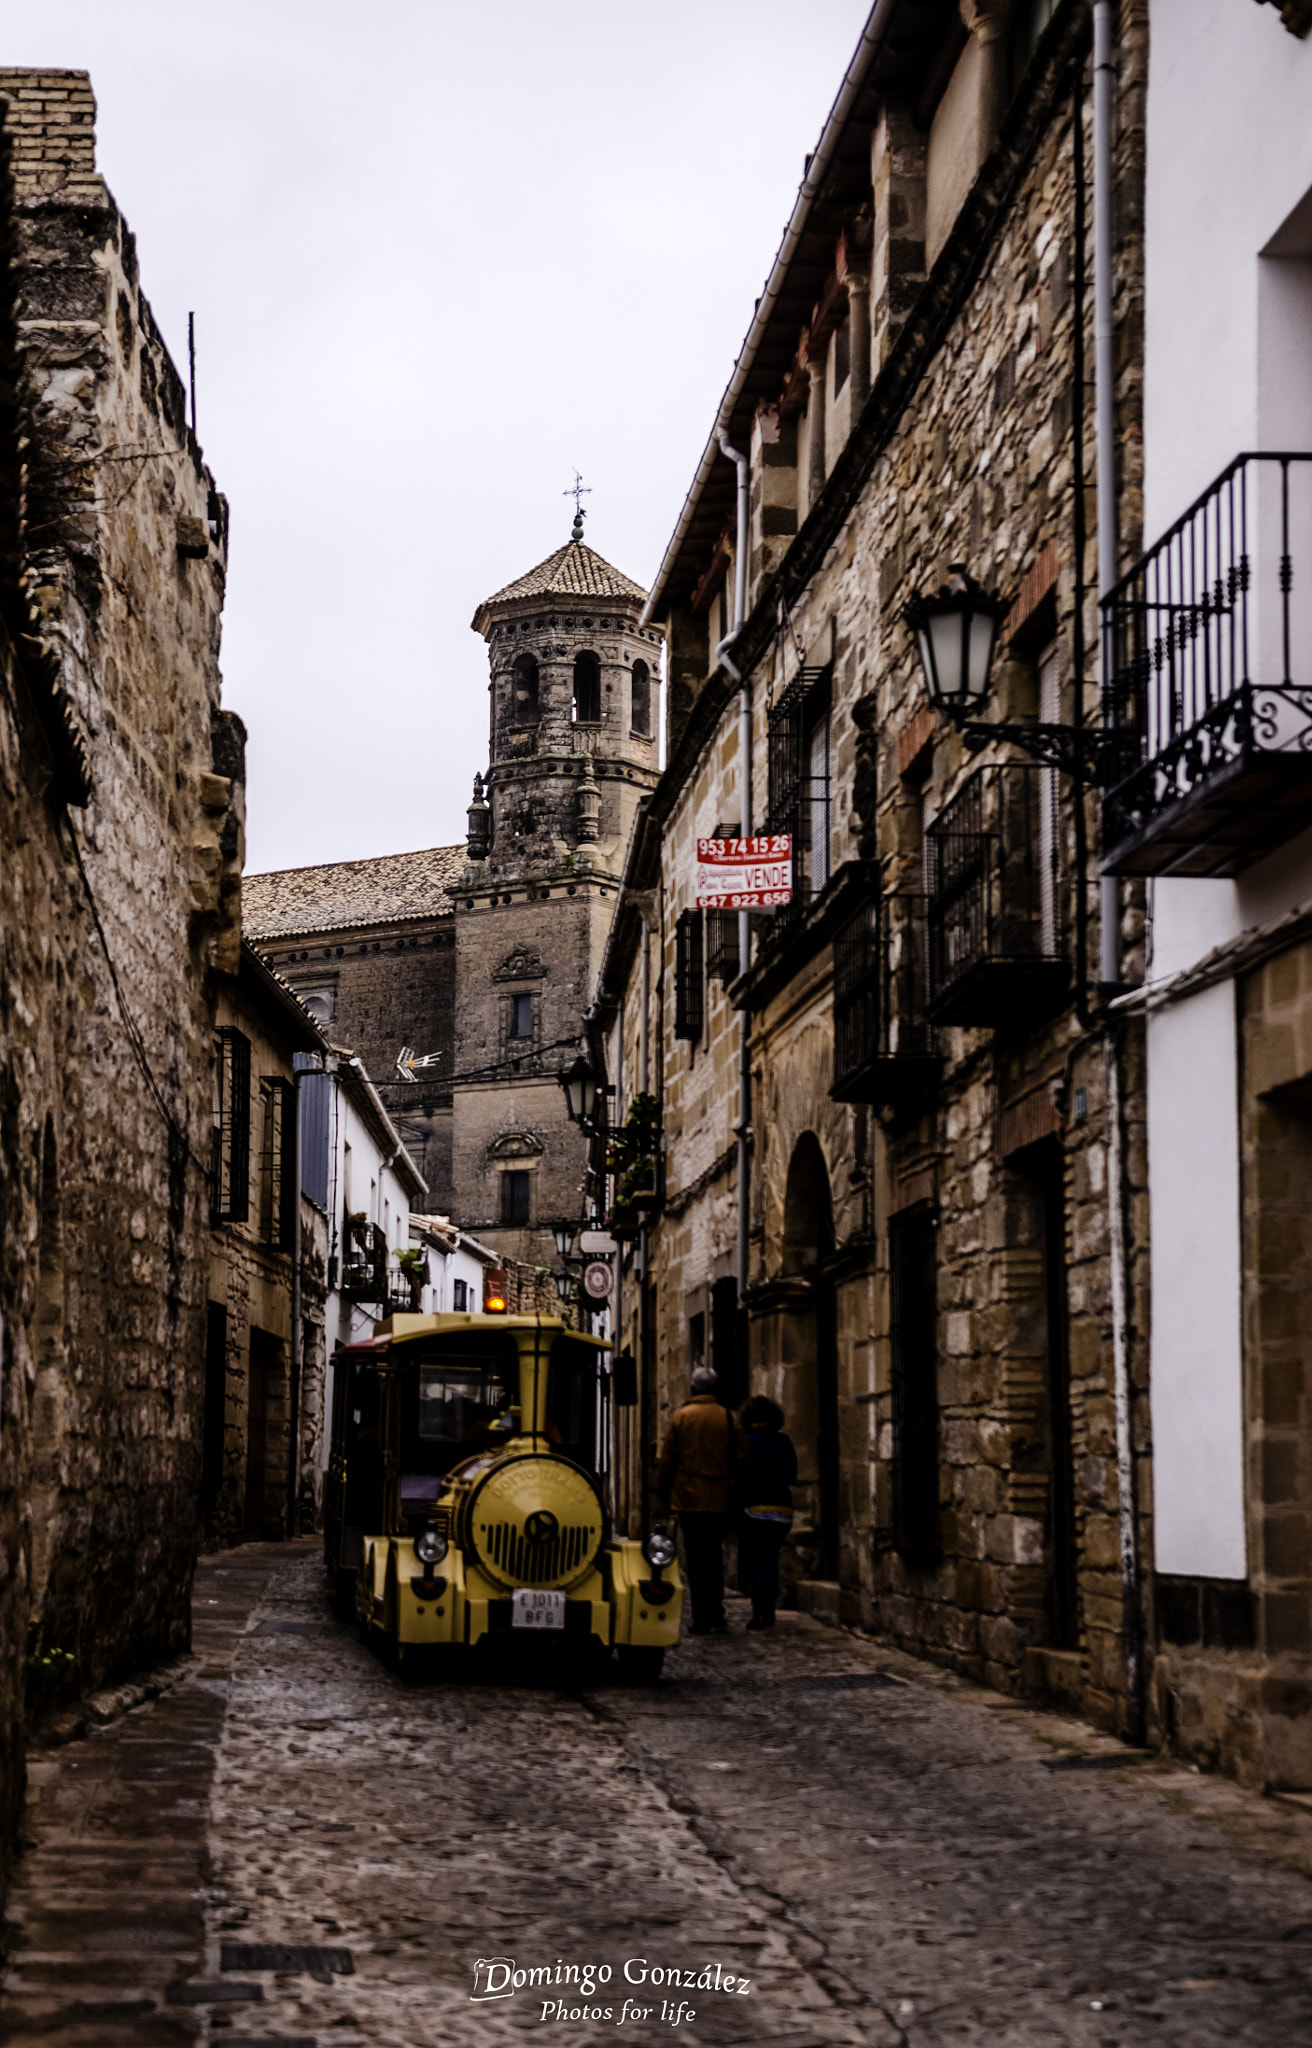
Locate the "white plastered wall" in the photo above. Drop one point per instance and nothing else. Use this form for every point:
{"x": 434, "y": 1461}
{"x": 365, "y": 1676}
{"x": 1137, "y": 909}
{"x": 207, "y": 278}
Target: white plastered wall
{"x": 1228, "y": 368}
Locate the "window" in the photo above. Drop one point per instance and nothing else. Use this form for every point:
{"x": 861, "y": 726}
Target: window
{"x": 913, "y": 1263}
{"x": 277, "y": 1161}
{"x": 459, "y": 1295}
{"x": 1049, "y": 714}
{"x": 689, "y": 978}
{"x": 587, "y": 689}
{"x": 641, "y": 719}
{"x": 515, "y": 1198}
{"x": 572, "y": 1401}
{"x": 722, "y": 944}
{"x": 521, "y": 1016}
{"x": 798, "y": 765}
{"x": 524, "y": 691}
{"x": 230, "y": 1185}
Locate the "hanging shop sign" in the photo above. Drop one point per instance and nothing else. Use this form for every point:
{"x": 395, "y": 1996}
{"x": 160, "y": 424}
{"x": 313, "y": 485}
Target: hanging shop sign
{"x": 597, "y": 1280}
{"x": 745, "y": 874}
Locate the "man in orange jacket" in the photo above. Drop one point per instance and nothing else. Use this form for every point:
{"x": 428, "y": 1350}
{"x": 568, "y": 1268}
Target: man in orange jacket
{"x": 693, "y": 1476}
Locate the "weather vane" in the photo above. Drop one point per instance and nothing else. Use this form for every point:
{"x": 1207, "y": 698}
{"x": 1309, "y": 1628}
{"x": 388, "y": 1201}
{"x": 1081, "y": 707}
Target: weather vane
{"x": 578, "y": 491}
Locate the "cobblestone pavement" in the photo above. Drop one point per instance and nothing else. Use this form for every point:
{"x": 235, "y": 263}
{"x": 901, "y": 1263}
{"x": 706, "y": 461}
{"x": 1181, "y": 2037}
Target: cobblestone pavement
{"x": 297, "y": 1845}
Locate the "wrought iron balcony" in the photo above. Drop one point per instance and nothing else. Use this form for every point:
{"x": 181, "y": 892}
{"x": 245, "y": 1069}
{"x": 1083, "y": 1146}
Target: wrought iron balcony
{"x": 885, "y": 1052}
{"x": 1208, "y": 667}
{"x": 364, "y": 1269}
{"x": 996, "y": 953}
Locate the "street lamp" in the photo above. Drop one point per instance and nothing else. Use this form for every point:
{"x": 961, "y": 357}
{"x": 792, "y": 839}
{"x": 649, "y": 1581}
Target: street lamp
{"x": 580, "y": 1086}
{"x": 565, "y": 1285}
{"x": 564, "y": 1236}
{"x": 955, "y": 633}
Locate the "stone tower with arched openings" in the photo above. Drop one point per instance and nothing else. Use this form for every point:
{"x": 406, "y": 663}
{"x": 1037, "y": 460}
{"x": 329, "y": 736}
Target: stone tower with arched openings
{"x": 574, "y": 702}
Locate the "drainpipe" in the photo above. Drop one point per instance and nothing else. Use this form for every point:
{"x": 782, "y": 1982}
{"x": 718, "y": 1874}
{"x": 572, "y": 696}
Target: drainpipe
{"x": 1109, "y": 940}
{"x": 1109, "y": 904}
{"x": 744, "y": 827}
{"x": 294, "y": 1462}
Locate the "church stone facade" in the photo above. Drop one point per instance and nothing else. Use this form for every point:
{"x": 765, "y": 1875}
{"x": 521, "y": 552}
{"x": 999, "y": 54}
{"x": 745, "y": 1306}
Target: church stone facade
{"x": 572, "y": 751}
{"x": 482, "y": 959}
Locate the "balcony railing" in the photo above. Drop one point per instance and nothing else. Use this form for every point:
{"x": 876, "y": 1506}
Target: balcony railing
{"x": 996, "y": 952}
{"x": 1208, "y": 666}
{"x": 364, "y": 1269}
{"x": 885, "y": 1051}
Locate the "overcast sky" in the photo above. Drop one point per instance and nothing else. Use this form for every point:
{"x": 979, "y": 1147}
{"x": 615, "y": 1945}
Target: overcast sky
{"x": 440, "y": 255}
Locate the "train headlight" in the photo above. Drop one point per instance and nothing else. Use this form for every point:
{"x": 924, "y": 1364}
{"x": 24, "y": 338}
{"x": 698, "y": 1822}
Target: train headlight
{"x": 658, "y": 1549}
{"x": 430, "y": 1546}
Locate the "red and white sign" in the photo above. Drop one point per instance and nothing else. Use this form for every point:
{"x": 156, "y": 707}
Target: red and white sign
{"x": 745, "y": 874}
{"x": 597, "y": 1279}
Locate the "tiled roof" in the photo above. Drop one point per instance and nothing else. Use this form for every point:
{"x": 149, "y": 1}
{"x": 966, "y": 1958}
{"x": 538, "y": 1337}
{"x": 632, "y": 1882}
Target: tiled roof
{"x": 344, "y": 893}
{"x": 573, "y": 571}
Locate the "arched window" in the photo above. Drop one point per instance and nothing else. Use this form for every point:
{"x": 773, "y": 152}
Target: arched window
{"x": 587, "y": 689}
{"x": 524, "y": 691}
{"x": 641, "y": 719}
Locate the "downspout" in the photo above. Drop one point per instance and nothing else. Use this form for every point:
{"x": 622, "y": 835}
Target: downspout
{"x": 1109, "y": 936}
{"x": 744, "y": 828}
{"x": 294, "y": 1462}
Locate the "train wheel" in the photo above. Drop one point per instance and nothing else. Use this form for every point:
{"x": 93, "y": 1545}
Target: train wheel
{"x": 639, "y": 1664}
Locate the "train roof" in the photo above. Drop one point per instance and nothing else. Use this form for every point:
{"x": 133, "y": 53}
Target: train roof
{"x": 404, "y": 1329}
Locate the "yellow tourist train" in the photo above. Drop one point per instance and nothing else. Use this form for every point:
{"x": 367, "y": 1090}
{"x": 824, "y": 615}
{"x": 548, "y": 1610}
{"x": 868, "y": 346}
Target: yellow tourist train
{"x": 466, "y": 1501}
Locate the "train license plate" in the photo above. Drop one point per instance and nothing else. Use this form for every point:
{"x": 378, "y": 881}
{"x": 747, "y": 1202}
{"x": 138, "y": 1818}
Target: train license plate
{"x": 532, "y": 1609}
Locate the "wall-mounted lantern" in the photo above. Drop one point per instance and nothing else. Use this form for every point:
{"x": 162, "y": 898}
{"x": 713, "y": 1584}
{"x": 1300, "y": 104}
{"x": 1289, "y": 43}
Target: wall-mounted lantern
{"x": 955, "y": 631}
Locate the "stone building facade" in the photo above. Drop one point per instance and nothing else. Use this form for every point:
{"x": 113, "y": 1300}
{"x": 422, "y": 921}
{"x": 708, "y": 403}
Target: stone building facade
{"x": 946, "y": 1228}
{"x": 121, "y": 825}
{"x": 572, "y": 749}
{"x": 263, "y": 1390}
{"x": 369, "y": 947}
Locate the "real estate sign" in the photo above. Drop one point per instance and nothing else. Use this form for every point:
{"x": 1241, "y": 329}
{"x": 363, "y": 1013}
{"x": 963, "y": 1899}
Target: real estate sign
{"x": 745, "y": 874}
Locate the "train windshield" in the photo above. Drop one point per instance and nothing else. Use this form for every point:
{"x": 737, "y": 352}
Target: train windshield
{"x": 456, "y": 1398}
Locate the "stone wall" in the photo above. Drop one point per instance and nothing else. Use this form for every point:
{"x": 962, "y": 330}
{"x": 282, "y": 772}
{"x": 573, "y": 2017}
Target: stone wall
{"x": 963, "y": 452}
{"x": 374, "y": 990}
{"x": 120, "y": 857}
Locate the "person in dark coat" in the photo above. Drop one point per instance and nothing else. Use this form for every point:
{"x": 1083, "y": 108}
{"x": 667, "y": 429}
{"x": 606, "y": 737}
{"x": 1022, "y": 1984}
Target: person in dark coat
{"x": 766, "y": 1470}
{"x": 693, "y": 1477}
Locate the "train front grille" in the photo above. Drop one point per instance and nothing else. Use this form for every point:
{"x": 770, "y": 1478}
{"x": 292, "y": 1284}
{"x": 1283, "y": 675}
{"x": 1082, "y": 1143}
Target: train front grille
{"x": 534, "y": 1564}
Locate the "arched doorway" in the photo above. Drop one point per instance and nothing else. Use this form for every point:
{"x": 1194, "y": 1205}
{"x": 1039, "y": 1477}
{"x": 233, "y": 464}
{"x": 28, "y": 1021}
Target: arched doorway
{"x": 807, "y": 1248}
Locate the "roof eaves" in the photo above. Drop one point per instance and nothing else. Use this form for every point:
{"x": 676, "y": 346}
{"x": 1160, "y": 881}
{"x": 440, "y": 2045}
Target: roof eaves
{"x": 810, "y": 192}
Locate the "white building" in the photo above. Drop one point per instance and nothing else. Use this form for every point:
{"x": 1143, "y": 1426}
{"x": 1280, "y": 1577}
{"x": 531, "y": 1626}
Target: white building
{"x": 356, "y": 1169}
{"x": 454, "y": 1266}
{"x": 1212, "y": 654}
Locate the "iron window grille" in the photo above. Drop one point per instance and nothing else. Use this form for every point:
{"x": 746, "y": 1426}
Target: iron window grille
{"x": 885, "y": 1049}
{"x": 1206, "y": 654}
{"x": 230, "y": 1171}
{"x": 996, "y": 952}
{"x": 722, "y": 945}
{"x": 278, "y": 1162}
{"x": 689, "y": 976}
{"x": 797, "y": 761}
{"x": 913, "y": 1272}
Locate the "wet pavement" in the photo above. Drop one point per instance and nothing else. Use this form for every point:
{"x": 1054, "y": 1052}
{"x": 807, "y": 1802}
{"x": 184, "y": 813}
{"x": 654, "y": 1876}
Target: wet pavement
{"x": 795, "y": 1840}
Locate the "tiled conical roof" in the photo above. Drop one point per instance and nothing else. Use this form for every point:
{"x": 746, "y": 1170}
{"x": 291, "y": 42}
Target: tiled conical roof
{"x": 573, "y": 571}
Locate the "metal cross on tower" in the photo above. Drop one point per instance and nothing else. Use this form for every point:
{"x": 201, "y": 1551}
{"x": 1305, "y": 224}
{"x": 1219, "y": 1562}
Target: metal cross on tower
{"x": 578, "y": 491}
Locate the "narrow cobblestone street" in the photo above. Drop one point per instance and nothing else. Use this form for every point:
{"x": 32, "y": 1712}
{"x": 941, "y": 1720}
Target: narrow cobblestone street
{"x": 985, "y": 1873}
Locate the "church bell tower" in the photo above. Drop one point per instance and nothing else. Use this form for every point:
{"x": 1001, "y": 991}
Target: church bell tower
{"x": 572, "y": 748}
